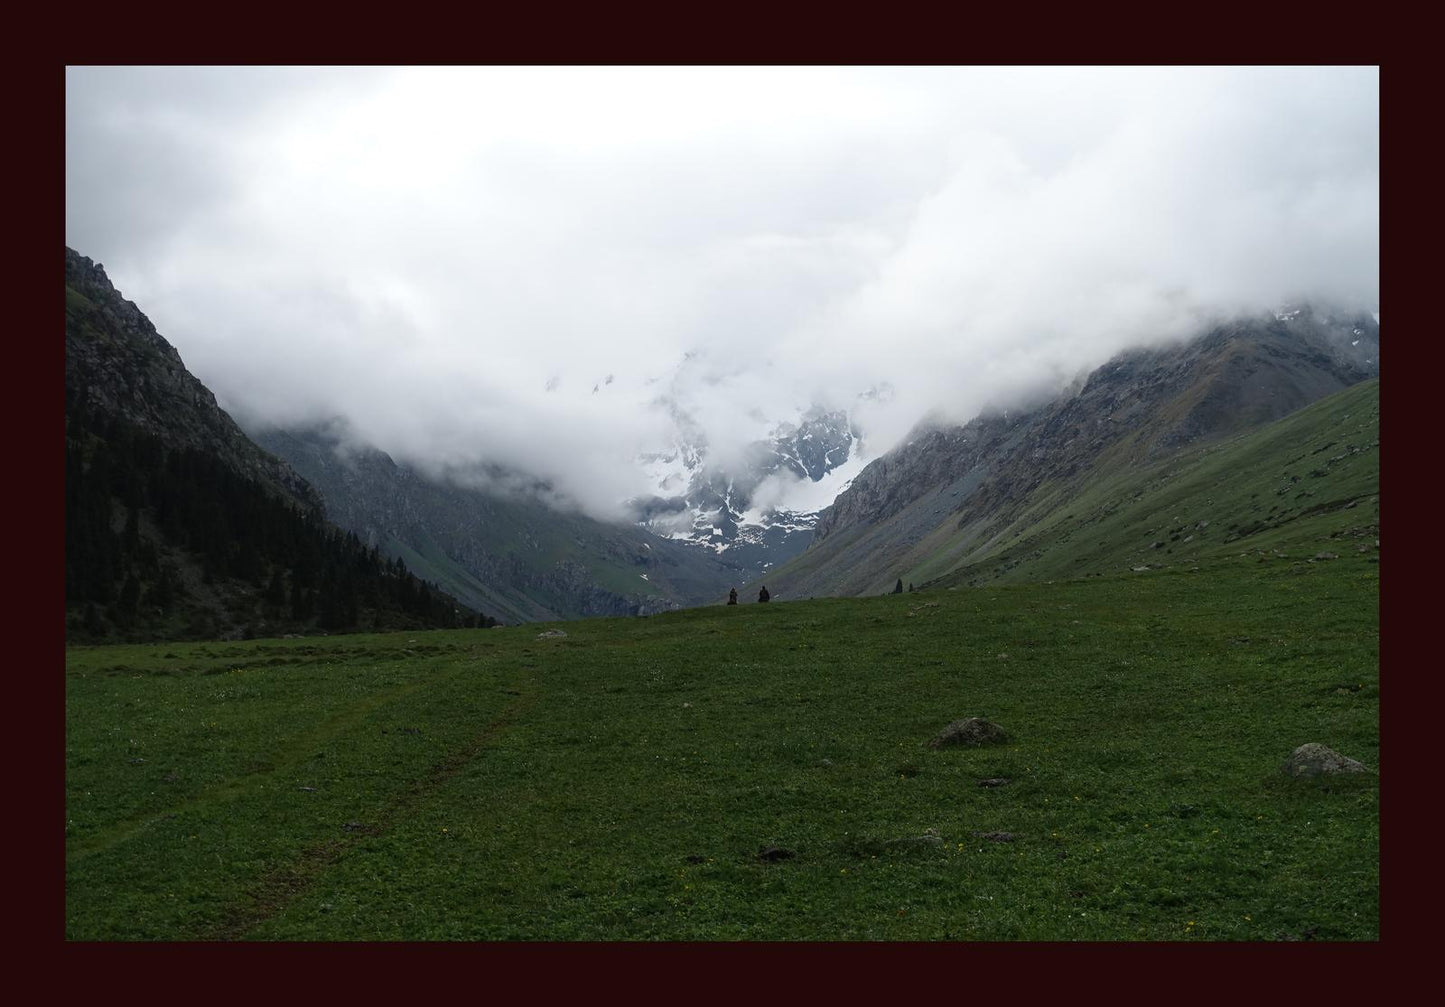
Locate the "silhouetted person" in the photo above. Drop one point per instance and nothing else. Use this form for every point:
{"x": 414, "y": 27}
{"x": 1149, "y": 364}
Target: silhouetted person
{"x": 763, "y": 595}
{"x": 733, "y": 596}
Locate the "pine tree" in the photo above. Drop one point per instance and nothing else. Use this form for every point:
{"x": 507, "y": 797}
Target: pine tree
{"x": 125, "y": 608}
{"x": 276, "y": 590}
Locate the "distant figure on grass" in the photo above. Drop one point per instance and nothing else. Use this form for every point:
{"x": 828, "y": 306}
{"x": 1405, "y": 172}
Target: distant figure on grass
{"x": 733, "y": 596}
{"x": 763, "y": 594}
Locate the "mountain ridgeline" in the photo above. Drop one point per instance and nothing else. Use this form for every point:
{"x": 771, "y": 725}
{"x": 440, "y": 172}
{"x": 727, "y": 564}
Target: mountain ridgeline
{"x": 177, "y": 526}
{"x": 180, "y": 525}
{"x": 972, "y": 498}
{"x": 508, "y": 555}
{"x": 708, "y": 505}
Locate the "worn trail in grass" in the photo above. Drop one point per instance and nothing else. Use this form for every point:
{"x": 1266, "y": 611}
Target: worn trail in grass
{"x": 619, "y": 783}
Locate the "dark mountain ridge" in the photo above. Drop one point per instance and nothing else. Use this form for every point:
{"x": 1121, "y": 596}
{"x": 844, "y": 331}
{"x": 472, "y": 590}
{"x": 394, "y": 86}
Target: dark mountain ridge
{"x": 176, "y": 525}
{"x": 510, "y": 555}
{"x": 123, "y": 368}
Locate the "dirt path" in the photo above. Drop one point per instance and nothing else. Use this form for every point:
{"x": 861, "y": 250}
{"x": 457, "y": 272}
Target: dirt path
{"x": 282, "y": 885}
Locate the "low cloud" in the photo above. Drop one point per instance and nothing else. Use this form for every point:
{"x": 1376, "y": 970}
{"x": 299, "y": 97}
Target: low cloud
{"x": 456, "y": 261}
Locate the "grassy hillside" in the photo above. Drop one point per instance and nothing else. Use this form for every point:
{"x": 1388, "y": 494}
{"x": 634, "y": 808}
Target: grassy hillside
{"x": 1303, "y": 485}
{"x": 621, "y": 781}
{"x": 1306, "y": 485}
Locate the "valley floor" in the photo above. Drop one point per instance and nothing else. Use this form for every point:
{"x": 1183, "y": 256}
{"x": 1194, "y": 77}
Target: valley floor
{"x": 757, "y": 772}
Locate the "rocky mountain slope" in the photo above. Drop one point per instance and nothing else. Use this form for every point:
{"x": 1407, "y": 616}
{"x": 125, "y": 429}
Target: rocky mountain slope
{"x": 712, "y": 505}
{"x": 952, "y": 495}
{"x": 123, "y": 368}
{"x": 176, "y": 524}
{"x": 700, "y": 535}
{"x": 511, "y": 556}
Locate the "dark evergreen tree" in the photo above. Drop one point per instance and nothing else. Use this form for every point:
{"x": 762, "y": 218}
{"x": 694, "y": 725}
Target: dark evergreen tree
{"x": 124, "y": 610}
{"x": 163, "y": 594}
{"x": 178, "y": 508}
{"x": 94, "y": 624}
{"x": 276, "y": 590}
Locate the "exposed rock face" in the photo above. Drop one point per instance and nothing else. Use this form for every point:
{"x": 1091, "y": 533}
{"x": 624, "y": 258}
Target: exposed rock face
{"x": 970, "y": 731}
{"x": 935, "y": 457}
{"x": 118, "y": 364}
{"x": 1314, "y": 759}
{"x": 1234, "y": 377}
{"x": 821, "y": 442}
{"x": 705, "y": 504}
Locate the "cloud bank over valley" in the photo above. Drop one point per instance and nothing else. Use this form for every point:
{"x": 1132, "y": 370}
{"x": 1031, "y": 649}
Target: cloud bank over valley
{"x": 553, "y": 272}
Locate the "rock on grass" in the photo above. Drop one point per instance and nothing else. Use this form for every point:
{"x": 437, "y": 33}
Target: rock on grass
{"x": 970, "y": 731}
{"x": 1314, "y": 759}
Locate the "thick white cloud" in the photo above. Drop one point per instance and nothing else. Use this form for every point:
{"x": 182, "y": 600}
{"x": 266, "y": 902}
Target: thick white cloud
{"x": 453, "y": 259}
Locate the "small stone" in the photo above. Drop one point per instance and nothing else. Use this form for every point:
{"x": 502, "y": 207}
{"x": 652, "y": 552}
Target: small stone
{"x": 997, "y": 781}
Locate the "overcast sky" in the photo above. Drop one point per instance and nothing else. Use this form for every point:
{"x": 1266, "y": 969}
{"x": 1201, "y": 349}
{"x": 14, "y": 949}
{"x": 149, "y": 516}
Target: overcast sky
{"x": 453, "y": 259}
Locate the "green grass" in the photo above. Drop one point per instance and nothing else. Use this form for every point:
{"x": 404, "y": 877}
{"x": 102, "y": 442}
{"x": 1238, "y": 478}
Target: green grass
{"x": 620, "y": 782}
{"x": 1306, "y": 484}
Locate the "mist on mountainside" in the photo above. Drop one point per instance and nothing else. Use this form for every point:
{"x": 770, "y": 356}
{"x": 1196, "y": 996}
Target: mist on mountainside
{"x": 537, "y": 279}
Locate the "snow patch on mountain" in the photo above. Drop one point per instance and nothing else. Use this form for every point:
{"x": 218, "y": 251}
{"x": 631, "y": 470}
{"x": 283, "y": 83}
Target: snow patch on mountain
{"x": 755, "y": 496}
{"x": 784, "y": 493}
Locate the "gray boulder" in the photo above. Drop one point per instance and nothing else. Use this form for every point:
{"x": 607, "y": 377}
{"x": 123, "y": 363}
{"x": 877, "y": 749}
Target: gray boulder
{"x": 970, "y": 731}
{"x": 1315, "y": 759}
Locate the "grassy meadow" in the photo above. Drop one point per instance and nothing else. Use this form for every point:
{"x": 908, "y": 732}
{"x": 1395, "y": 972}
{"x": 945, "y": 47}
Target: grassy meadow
{"x": 758, "y": 772}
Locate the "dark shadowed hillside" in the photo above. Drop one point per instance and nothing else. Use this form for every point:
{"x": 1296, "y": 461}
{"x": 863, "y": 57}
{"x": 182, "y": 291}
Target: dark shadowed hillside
{"x": 512, "y": 556}
{"x": 176, "y": 524}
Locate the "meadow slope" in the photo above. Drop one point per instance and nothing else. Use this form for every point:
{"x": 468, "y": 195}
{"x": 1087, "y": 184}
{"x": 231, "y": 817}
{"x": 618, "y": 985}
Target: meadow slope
{"x": 753, "y": 772}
